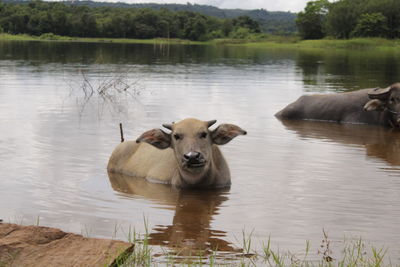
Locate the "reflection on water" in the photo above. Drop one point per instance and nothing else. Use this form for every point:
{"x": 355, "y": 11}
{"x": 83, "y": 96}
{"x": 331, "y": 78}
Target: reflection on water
{"x": 190, "y": 231}
{"x": 379, "y": 142}
{"x": 343, "y": 70}
{"x": 290, "y": 180}
{"x": 39, "y": 53}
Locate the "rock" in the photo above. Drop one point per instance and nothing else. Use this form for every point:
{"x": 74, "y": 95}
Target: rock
{"x": 44, "y": 246}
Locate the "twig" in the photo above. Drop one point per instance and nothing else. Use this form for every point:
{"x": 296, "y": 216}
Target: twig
{"x": 122, "y": 132}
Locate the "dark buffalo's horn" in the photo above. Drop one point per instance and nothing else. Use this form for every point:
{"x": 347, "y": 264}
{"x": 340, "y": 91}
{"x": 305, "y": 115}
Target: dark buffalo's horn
{"x": 380, "y": 93}
{"x": 211, "y": 123}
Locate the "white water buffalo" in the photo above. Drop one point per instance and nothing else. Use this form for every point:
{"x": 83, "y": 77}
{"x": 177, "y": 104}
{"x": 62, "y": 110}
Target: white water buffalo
{"x": 380, "y": 106}
{"x": 186, "y": 157}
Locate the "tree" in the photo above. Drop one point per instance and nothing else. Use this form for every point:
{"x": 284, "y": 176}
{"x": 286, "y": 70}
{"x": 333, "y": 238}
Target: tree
{"x": 227, "y": 26}
{"x": 371, "y": 25}
{"x": 195, "y": 28}
{"x": 311, "y": 21}
{"x": 391, "y": 10}
{"x": 343, "y": 16}
{"x": 246, "y": 22}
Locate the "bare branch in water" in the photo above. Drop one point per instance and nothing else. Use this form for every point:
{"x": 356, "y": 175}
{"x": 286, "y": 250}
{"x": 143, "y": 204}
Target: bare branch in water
{"x": 108, "y": 90}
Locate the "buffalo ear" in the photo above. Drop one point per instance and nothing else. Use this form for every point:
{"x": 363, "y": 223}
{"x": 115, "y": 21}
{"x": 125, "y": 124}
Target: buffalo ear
{"x": 225, "y": 133}
{"x": 380, "y": 93}
{"x": 156, "y": 137}
{"x": 375, "y": 105}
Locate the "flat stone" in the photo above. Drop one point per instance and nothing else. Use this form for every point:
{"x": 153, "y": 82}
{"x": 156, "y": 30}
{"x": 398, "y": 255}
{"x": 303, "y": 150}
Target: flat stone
{"x": 45, "y": 246}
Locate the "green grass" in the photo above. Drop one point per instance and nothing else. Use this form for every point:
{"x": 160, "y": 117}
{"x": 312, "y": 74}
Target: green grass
{"x": 52, "y": 37}
{"x": 353, "y": 44}
{"x": 292, "y": 42}
{"x": 349, "y": 252}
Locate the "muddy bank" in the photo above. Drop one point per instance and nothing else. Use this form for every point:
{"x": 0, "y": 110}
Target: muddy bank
{"x": 44, "y": 246}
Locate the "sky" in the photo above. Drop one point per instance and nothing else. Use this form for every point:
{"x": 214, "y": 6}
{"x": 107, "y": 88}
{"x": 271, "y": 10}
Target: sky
{"x": 270, "y": 5}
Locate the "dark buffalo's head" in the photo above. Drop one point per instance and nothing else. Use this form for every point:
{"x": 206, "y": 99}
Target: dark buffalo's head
{"x": 386, "y": 99}
{"x": 192, "y": 142}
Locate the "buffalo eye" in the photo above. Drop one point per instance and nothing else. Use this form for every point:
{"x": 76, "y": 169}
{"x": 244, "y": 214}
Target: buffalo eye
{"x": 177, "y": 137}
{"x": 391, "y": 100}
{"x": 203, "y": 135}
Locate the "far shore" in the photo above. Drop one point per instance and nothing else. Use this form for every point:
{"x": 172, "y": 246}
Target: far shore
{"x": 268, "y": 41}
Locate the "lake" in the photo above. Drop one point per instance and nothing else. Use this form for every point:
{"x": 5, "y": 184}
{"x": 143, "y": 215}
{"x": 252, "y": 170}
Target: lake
{"x": 290, "y": 180}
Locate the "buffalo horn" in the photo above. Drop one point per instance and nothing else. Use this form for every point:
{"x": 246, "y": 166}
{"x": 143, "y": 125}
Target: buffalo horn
{"x": 380, "y": 93}
{"x": 168, "y": 126}
{"x": 211, "y": 123}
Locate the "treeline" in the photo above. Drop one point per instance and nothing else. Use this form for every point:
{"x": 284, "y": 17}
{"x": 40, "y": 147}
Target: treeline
{"x": 275, "y": 22}
{"x": 37, "y": 17}
{"x": 350, "y": 18}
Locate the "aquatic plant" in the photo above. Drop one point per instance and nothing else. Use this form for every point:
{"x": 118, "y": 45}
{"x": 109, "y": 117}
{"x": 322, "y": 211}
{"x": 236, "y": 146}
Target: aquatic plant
{"x": 353, "y": 252}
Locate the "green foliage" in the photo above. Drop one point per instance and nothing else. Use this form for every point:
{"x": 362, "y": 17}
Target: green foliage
{"x": 240, "y": 33}
{"x": 247, "y": 23}
{"x": 342, "y": 17}
{"x": 371, "y": 25}
{"x": 118, "y": 20}
{"x": 49, "y": 36}
{"x": 348, "y": 18}
{"x": 391, "y": 10}
{"x": 270, "y": 21}
{"x": 311, "y": 22}
{"x": 45, "y": 18}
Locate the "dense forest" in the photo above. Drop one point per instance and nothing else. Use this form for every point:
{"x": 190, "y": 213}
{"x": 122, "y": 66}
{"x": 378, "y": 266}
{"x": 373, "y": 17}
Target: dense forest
{"x": 38, "y": 17}
{"x": 275, "y": 22}
{"x": 350, "y": 18}
{"x": 270, "y": 22}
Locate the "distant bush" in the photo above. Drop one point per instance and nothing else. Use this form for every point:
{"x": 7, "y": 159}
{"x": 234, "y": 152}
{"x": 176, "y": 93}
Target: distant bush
{"x": 240, "y": 33}
{"x": 216, "y": 34}
{"x": 50, "y": 36}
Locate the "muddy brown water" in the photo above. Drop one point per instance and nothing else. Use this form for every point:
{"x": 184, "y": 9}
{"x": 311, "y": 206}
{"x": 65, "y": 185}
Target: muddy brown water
{"x": 290, "y": 179}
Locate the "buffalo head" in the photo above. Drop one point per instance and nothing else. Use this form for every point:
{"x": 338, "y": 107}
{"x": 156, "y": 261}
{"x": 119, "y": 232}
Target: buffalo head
{"x": 192, "y": 142}
{"x": 386, "y": 99}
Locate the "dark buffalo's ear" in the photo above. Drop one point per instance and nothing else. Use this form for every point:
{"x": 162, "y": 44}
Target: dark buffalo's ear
{"x": 380, "y": 93}
{"x": 157, "y": 138}
{"x": 375, "y": 105}
{"x": 225, "y": 133}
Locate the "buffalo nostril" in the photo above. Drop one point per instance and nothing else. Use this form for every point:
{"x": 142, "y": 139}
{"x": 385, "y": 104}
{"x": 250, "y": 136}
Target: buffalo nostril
{"x": 191, "y": 156}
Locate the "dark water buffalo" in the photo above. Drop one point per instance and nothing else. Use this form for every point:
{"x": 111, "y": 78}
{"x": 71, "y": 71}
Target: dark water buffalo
{"x": 380, "y": 106}
{"x": 187, "y": 157}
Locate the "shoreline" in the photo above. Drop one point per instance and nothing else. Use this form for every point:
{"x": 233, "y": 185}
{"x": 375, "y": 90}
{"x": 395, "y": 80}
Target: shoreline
{"x": 47, "y": 246}
{"x": 363, "y": 44}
